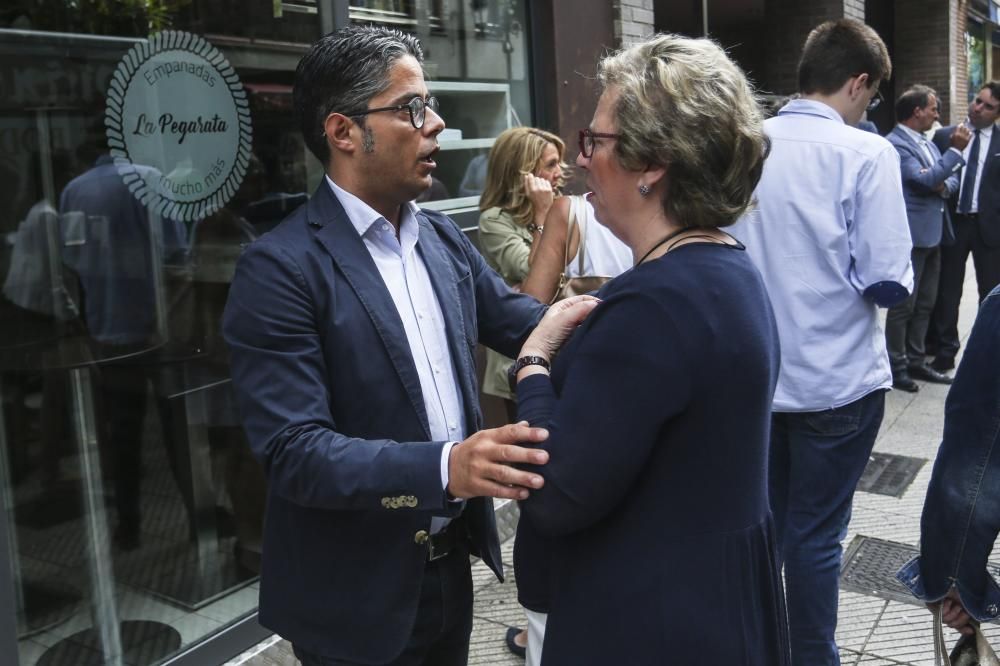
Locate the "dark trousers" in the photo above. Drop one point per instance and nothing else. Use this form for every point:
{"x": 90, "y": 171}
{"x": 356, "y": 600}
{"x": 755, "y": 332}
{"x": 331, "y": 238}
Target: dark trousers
{"x": 124, "y": 400}
{"x": 815, "y": 462}
{"x": 441, "y": 633}
{"x": 906, "y": 324}
{"x": 943, "y": 332}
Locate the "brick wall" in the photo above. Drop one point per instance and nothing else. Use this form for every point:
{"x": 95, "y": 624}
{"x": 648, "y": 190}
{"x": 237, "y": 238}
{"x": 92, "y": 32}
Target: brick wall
{"x": 957, "y": 111}
{"x": 633, "y": 20}
{"x": 926, "y": 50}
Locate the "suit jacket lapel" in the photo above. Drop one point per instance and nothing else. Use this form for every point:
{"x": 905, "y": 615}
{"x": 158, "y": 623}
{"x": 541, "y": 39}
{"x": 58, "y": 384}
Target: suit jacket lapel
{"x": 445, "y": 283}
{"x": 993, "y": 149}
{"x": 338, "y": 236}
{"x": 921, "y": 155}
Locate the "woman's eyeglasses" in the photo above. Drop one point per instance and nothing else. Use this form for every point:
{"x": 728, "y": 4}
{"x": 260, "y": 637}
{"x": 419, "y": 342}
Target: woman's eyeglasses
{"x": 587, "y": 141}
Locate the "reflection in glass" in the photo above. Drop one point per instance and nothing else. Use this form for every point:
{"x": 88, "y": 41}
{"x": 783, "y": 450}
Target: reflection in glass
{"x": 133, "y": 504}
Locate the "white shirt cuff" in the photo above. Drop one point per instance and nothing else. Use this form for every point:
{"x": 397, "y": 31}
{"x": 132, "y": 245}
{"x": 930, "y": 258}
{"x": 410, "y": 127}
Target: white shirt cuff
{"x": 445, "y": 456}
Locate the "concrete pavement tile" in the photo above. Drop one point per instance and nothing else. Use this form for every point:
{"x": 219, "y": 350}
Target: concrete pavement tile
{"x": 857, "y": 614}
{"x": 903, "y": 634}
{"x": 872, "y": 522}
{"x": 498, "y": 603}
{"x": 487, "y": 646}
{"x": 279, "y": 654}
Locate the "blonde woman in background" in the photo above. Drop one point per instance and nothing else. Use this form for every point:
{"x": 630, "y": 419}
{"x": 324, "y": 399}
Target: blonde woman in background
{"x": 523, "y": 178}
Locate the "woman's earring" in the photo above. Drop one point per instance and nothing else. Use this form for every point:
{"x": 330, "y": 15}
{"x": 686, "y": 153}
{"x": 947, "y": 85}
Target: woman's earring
{"x": 644, "y": 190}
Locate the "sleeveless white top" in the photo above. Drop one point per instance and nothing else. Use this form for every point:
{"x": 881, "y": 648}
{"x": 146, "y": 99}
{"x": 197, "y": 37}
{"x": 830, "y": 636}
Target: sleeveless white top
{"x": 604, "y": 254}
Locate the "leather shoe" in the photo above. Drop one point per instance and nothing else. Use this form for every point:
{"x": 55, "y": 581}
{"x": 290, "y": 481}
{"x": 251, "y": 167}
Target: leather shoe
{"x": 942, "y": 363}
{"x": 903, "y": 382}
{"x": 928, "y": 374}
{"x": 512, "y": 645}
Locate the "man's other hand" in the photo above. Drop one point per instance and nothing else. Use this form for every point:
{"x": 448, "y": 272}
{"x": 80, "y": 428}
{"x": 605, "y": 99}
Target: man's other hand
{"x": 482, "y": 465}
{"x": 960, "y": 137}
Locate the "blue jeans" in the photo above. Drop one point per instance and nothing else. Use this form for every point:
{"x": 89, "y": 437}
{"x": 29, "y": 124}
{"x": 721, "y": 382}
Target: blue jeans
{"x": 816, "y": 461}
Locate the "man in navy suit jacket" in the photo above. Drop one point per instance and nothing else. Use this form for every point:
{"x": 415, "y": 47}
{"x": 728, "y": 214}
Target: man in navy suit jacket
{"x": 352, "y": 327}
{"x": 976, "y": 218}
{"x": 928, "y": 180}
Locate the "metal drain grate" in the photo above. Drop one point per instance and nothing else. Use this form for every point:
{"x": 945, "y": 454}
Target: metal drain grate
{"x": 870, "y": 567}
{"x": 889, "y": 474}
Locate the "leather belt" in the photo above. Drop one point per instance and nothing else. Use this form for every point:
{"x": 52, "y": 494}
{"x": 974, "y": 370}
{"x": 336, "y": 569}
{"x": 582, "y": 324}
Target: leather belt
{"x": 452, "y": 537}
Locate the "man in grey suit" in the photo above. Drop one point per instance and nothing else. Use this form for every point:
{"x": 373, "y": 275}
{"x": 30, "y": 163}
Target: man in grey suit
{"x": 976, "y": 215}
{"x": 929, "y": 178}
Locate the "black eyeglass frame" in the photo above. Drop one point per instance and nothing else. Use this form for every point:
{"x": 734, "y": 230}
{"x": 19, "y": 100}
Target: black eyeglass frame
{"x": 586, "y": 136}
{"x": 874, "y": 101}
{"x": 414, "y": 106}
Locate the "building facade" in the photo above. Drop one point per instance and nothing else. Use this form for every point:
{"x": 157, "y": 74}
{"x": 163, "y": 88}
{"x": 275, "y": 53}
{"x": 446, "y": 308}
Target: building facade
{"x": 142, "y": 144}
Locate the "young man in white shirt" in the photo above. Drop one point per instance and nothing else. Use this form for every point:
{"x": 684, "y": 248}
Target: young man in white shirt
{"x": 830, "y": 239}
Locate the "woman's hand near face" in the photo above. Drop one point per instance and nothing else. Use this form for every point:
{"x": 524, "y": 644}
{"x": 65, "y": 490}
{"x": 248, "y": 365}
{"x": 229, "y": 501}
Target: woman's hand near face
{"x": 539, "y": 191}
{"x": 555, "y": 328}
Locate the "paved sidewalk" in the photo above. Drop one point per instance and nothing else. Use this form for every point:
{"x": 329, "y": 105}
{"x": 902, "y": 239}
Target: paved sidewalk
{"x": 872, "y": 631}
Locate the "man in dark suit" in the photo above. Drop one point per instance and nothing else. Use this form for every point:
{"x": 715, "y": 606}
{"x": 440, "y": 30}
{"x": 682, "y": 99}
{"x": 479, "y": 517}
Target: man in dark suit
{"x": 976, "y": 220}
{"x": 929, "y": 178}
{"x": 352, "y": 327}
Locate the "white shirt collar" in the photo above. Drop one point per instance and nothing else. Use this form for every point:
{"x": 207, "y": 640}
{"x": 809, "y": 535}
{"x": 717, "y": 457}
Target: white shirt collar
{"x": 912, "y": 133}
{"x": 363, "y": 216}
{"x": 811, "y": 107}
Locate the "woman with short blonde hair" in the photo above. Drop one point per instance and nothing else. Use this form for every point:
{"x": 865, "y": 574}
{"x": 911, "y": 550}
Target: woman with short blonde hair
{"x": 651, "y": 541}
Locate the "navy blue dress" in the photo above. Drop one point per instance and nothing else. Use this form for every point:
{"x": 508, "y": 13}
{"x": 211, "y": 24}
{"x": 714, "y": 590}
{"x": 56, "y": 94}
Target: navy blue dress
{"x": 651, "y": 542}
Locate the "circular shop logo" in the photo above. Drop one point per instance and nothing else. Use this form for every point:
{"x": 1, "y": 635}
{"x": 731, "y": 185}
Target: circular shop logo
{"x": 178, "y": 125}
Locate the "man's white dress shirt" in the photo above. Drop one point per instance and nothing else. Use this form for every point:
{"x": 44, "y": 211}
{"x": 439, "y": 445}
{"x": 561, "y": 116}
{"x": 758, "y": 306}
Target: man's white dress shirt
{"x": 404, "y": 273}
{"x": 985, "y": 136}
{"x": 830, "y": 222}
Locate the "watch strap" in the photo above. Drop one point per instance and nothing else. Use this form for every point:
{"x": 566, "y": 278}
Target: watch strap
{"x": 524, "y": 361}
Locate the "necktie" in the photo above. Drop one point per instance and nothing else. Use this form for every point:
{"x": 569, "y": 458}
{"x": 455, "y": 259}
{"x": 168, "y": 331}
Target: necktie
{"x": 928, "y": 153}
{"x": 969, "y": 180}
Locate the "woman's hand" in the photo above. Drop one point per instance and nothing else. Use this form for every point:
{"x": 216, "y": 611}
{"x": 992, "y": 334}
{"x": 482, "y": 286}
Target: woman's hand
{"x": 557, "y": 325}
{"x": 539, "y": 191}
{"x": 953, "y": 613}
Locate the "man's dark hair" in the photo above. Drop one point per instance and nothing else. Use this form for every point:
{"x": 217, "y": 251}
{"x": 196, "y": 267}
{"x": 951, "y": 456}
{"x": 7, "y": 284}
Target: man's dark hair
{"x": 915, "y": 97}
{"x": 341, "y": 73}
{"x": 837, "y": 50}
{"x": 994, "y": 88}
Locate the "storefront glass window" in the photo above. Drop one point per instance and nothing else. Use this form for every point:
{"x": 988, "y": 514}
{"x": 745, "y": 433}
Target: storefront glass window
{"x": 132, "y": 502}
{"x": 975, "y": 47}
{"x": 143, "y": 144}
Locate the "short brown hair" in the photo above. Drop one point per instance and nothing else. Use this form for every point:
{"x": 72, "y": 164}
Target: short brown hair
{"x": 837, "y": 50}
{"x": 915, "y": 97}
{"x": 683, "y": 104}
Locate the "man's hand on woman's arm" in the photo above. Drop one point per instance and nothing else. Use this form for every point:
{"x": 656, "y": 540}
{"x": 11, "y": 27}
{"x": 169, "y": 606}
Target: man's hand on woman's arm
{"x": 483, "y": 464}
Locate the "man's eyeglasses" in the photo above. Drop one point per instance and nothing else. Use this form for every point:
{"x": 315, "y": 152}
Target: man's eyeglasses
{"x": 587, "y": 141}
{"x": 417, "y": 107}
{"x": 875, "y": 101}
